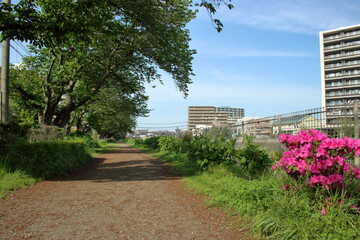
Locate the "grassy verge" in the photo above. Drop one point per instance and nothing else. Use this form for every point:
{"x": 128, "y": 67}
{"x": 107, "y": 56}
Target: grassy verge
{"x": 275, "y": 213}
{"x": 279, "y": 214}
{"x": 14, "y": 180}
{"x": 26, "y": 163}
{"x": 182, "y": 165}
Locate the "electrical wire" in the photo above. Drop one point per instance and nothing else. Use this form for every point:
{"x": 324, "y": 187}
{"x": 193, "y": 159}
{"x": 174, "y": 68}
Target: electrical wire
{"x": 24, "y": 48}
{"x": 17, "y": 51}
{"x": 167, "y": 127}
{"x": 163, "y": 123}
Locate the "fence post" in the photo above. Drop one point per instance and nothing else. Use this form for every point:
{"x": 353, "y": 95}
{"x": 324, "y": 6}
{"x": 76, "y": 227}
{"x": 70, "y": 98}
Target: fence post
{"x": 356, "y": 119}
{"x": 356, "y": 128}
{"x": 242, "y": 128}
{"x": 279, "y": 127}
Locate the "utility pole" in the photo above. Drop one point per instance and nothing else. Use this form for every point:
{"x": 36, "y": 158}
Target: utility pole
{"x": 5, "y": 65}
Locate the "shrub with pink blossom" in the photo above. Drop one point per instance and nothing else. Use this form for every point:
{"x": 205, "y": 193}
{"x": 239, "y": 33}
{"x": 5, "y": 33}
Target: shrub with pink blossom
{"x": 324, "y": 162}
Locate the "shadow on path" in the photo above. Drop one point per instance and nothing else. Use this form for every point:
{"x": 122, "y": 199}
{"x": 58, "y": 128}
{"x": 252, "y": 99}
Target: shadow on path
{"x": 122, "y": 164}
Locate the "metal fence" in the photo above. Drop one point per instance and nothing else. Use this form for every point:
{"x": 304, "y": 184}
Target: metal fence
{"x": 335, "y": 121}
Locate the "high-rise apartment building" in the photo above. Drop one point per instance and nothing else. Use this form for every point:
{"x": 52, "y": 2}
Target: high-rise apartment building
{"x": 212, "y": 116}
{"x": 340, "y": 68}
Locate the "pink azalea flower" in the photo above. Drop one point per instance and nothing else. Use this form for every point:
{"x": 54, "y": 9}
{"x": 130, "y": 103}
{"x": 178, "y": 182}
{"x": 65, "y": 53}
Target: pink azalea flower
{"x": 356, "y": 208}
{"x": 326, "y": 166}
{"x": 320, "y": 151}
{"x": 346, "y": 167}
{"x": 317, "y": 179}
{"x": 285, "y": 187}
{"x": 356, "y": 172}
{"x": 317, "y": 135}
{"x": 340, "y": 160}
{"x": 334, "y": 178}
{"x": 301, "y": 165}
{"x": 357, "y": 151}
{"x": 323, "y": 211}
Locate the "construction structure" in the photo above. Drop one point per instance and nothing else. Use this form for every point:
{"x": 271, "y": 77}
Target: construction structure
{"x": 340, "y": 70}
{"x": 208, "y": 116}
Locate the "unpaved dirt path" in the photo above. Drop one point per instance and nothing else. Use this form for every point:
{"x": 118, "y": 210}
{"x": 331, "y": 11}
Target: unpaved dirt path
{"x": 123, "y": 194}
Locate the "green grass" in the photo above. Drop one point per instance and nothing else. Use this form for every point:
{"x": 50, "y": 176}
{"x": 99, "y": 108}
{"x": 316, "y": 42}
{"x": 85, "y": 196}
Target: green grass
{"x": 13, "y": 181}
{"x": 27, "y": 163}
{"x": 103, "y": 147}
{"x": 272, "y": 212}
{"x": 181, "y": 164}
{"x": 276, "y": 213}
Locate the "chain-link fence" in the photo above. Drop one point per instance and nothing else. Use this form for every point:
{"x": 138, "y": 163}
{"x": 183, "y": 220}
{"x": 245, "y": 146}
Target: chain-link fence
{"x": 335, "y": 121}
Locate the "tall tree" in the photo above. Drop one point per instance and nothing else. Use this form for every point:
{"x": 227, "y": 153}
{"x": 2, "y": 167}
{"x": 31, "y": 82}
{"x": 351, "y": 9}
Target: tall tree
{"x": 33, "y": 20}
{"x": 133, "y": 39}
{"x": 112, "y": 114}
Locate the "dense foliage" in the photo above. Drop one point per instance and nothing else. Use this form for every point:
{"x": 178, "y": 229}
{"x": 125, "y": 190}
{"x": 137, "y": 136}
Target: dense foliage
{"x": 44, "y": 159}
{"x": 285, "y": 204}
{"x": 90, "y": 60}
{"x": 33, "y": 20}
{"x": 206, "y": 151}
{"x": 251, "y": 160}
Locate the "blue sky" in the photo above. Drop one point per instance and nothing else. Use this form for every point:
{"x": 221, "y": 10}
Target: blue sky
{"x": 266, "y": 60}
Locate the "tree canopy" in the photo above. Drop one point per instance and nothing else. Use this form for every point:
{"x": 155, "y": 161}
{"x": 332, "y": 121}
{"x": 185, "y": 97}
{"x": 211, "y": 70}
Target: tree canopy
{"x": 85, "y": 49}
{"x": 35, "y": 21}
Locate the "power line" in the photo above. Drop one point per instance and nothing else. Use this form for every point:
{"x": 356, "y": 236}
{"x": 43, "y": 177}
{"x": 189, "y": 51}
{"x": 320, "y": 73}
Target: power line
{"x": 168, "y": 127}
{"x": 23, "y": 48}
{"x": 163, "y": 123}
{"x": 17, "y": 51}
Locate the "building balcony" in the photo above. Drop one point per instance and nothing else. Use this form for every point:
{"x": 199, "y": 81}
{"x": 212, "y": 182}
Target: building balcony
{"x": 342, "y": 86}
{"x": 342, "y": 95}
{"x": 341, "y": 76}
{"x": 342, "y": 66}
{"x": 348, "y": 55}
{"x": 342, "y": 47}
{"x": 339, "y": 38}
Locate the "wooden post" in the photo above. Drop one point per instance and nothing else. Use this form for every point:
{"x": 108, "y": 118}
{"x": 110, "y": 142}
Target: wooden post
{"x": 356, "y": 128}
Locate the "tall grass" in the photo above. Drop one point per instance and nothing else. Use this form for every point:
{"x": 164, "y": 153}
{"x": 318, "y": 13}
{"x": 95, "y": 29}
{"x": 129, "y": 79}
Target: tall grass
{"x": 25, "y": 163}
{"x": 12, "y": 181}
{"x": 44, "y": 159}
{"x": 279, "y": 214}
{"x": 295, "y": 212}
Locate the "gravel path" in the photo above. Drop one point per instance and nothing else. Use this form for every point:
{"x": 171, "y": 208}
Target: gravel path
{"x": 123, "y": 194}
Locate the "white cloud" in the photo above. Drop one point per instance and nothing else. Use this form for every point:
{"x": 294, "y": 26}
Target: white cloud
{"x": 301, "y": 16}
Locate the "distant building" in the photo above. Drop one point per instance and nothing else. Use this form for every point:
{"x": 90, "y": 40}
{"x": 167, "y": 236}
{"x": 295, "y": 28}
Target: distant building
{"x": 340, "y": 69}
{"x": 212, "y": 116}
{"x": 293, "y": 125}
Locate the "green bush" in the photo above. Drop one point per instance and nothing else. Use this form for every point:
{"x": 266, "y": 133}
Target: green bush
{"x": 152, "y": 143}
{"x": 135, "y": 141}
{"x": 170, "y": 144}
{"x": 10, "y": 132}
{"x": 253, "y": 160}
{"x": 44, "y": 159}
{"x": 206, "y": 151}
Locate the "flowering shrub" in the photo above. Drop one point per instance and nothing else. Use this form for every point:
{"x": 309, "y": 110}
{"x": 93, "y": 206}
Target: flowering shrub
{"x": 323, "y": 161}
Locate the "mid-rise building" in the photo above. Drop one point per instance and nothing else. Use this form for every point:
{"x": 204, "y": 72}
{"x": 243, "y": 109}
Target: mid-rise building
{"x": 212, "y": 116}
{"x": 340, "y": 70}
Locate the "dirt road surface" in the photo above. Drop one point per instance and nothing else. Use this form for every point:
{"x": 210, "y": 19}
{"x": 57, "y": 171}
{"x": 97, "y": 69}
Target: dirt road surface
{"x": 123, "y": 194}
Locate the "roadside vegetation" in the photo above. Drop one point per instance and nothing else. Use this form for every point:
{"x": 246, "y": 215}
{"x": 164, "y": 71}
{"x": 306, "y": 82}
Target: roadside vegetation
{"x": 24, "y": 162}
{"x": 309, "y": 191}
